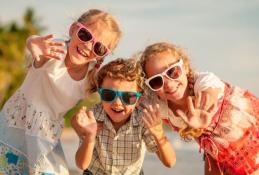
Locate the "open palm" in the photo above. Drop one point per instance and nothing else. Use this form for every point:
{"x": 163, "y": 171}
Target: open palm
{"x": 44, "y": 46}
{"x": 199, "y": 115}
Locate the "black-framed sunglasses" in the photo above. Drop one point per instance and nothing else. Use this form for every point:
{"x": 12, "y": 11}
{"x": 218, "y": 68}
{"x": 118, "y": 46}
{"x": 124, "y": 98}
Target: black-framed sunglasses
{"x": 85, "y": 35}
{"x": 174, "y": 72}
{"x": 126, "y": 97}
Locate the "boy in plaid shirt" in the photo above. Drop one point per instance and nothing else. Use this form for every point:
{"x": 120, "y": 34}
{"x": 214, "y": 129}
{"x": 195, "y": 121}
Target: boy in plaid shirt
{"x": 116, "y": 133}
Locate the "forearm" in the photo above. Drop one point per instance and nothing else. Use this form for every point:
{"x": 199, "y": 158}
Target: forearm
{"x": 84, "y": 153}
{"x": 165, "y": 152}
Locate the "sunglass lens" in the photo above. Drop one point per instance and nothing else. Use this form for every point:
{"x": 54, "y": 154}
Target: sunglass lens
{"x": 129, "y": 97}
{"x": 107, "y": 95}
{"x": 84, "y": 35}
{"x": 156, "y": 82}
{"x": 174, "y": 72}
{"x": 100, "y": 49}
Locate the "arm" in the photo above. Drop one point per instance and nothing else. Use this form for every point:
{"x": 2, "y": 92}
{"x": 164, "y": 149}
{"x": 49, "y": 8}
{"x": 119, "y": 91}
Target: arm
{"x": 152, "y": 120}
{"x": 86, "y": 123}
{"x": 43, "y": 49}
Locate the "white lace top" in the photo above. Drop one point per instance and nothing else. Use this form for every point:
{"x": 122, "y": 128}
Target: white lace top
{"x": 39, "y": 105}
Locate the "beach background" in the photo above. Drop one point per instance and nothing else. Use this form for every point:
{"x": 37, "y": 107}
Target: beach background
{"x": 220, "y": 36}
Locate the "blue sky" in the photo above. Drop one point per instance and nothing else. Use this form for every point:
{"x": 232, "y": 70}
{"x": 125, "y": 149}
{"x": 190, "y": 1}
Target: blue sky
{"x": 220, "y": 36}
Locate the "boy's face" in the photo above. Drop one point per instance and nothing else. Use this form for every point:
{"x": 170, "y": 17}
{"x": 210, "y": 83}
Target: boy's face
{"x": 118, "y": 112}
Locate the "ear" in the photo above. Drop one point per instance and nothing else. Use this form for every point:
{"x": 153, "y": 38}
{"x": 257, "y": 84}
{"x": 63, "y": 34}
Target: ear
{"x": 139, "y": 101}
{"x": 72, "y": 29}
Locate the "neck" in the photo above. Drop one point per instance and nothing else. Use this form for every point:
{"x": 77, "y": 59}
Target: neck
{"x": 181, "y": 104}
{"x": 76, "y": 72}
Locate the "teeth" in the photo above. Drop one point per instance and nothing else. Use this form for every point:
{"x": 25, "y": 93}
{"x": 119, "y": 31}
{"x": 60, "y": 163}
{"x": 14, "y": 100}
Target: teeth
{"x": 117, "y": 110}
{"x": 82, "y": 52}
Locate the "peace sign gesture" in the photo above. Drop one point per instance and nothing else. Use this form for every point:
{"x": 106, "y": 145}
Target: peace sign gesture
{"x": 199, "y": 114}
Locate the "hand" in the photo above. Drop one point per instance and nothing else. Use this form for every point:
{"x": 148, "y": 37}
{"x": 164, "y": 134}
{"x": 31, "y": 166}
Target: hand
{"x": 200, "y": 115}
{"x": 84, "y": 123}
{"x": 152, "y": 120}
{"x": 44, "y": 46}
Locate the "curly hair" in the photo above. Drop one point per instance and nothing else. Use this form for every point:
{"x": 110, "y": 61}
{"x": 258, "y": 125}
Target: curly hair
{"x": 155, "y": 50}
{"x": 121, "y": 69}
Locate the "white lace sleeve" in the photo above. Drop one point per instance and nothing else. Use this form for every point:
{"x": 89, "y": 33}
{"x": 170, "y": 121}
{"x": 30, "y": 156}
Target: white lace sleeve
{"x": 205, "y": 80}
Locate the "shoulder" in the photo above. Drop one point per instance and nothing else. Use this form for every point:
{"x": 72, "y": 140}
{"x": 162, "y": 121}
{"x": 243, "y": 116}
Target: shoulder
{"x": 205, "y": 80}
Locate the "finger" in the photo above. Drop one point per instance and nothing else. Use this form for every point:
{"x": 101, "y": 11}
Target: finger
{"x": 181, "y": 114}
{"x": 57, "y": 49}
{"x": 152, "y": 113}
{"x": 198, "y": 100}
{"x": 206, "y": 102}
{"x": 48, "y": 37}
{"x": 35, "y": 56}
{"x": 190, "y": 105}
{"x": 157, "y": 111}
{"x": 146, "y": 122}
{"x": 56, "y": 43}
{"x": 90, "y": 115}
{"x": 213, "y": 108}
{"x": 146, "y": 117}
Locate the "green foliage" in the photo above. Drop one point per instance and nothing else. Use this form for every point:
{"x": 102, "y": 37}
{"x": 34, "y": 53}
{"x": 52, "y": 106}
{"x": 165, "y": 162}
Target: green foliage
{"x": 91, "y": 100}
{"x": 12, "y": 52}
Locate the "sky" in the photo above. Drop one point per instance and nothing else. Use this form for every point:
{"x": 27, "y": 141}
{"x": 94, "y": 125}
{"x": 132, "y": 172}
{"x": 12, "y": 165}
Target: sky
{"x": 220, "y": 36}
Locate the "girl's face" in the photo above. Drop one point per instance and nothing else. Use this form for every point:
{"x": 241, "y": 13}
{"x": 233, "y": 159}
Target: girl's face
{"x": 172, "y": 90}
{"x": 81, "y": 52}
{"x": 118, "y": 112}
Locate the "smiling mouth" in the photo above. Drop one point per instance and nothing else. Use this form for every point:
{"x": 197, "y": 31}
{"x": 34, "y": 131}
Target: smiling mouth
{"x": 82, "y": 52}
{"x": 174, "y": 91}
{"x": 117, "y": 110}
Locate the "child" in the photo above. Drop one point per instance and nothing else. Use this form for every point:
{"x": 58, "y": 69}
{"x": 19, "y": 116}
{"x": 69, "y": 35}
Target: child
{"x": 228, "y": 133}
{"x": 118, "y": 147}
{"x": 32, "y": 119}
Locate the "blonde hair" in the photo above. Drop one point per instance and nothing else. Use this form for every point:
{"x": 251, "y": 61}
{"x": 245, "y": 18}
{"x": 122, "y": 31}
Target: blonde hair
{"x": 95, "y": 16}
{"x": 121, "y": 69}
{"x": 155, "y": 50}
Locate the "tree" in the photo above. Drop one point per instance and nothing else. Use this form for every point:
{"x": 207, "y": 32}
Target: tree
{"x": 12, "y": 52}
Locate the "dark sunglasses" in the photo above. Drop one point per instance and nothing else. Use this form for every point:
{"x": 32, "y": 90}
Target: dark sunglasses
{"x": 174, "y": 72}
{"x": 126, "y": 97}
{"x": 85, "y": 35}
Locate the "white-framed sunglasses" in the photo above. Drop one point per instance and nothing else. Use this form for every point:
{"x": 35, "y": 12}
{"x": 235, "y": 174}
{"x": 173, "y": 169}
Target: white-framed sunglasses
{"x": 156, "y": 82}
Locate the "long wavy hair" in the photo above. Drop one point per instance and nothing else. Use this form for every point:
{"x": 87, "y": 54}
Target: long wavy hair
{"x": 155, "y": 50}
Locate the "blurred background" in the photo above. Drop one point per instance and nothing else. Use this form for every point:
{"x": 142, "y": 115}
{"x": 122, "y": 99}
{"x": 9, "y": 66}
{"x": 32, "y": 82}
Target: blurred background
{"x": 220, "y": 36}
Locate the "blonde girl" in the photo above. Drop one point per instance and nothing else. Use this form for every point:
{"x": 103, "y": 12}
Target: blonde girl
{"x": 31, "y": 121}
{"x": 222, "y": 118}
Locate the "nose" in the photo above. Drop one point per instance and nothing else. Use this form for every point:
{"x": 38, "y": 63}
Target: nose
{"x": 117, "y": 101}
{"x": 168, "y": 83}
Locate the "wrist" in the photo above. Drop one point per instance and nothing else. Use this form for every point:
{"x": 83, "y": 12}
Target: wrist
{"x": 89, "y": 137}
{"x": 29, "y": 41}
{"x": 162, "y": 140}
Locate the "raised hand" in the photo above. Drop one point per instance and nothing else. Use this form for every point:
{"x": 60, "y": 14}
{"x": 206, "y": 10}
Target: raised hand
{"x": 200, "y": 113}
{"x": 84, "y": 123}
{"x": 43, "y": 46}
{"x": 152, "y": 120}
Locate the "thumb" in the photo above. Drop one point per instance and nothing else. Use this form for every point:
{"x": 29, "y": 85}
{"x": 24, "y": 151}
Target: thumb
{"x": 90, "y": 115}
{"x": 181, "y": 114}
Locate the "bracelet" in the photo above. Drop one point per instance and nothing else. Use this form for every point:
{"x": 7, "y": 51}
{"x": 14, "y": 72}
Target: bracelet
{"x": 162, "y": 140}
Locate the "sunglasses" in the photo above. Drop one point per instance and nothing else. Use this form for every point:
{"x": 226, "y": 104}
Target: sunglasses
{"x": 126, "y": 97}
{"x": 174, "y": 72}
{"x": 85, "y": 35}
